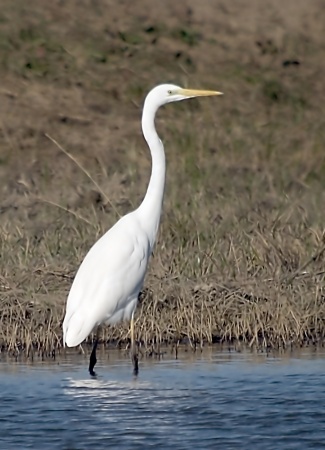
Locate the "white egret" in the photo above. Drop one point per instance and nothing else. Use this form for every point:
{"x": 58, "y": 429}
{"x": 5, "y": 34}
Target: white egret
{"x": 108, "y": 282}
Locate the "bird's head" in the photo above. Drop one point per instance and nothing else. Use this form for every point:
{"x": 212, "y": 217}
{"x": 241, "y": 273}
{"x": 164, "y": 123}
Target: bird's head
{"x": 167, "y": 93}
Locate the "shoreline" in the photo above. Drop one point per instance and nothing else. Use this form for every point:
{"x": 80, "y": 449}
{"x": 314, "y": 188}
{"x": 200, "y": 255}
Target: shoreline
{"x": 197, "y": 317}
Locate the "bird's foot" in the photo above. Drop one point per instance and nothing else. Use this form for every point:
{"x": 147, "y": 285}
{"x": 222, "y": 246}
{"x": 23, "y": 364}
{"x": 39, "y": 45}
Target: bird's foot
{"x": 92, "y": 364}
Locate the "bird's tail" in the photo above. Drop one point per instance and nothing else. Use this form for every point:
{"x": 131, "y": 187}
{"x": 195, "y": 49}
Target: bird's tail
{"x": 76, "y": 327}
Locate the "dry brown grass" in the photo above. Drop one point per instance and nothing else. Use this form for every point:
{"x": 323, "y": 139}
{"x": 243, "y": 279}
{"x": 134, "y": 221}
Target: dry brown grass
{"x": 240, "y": 255}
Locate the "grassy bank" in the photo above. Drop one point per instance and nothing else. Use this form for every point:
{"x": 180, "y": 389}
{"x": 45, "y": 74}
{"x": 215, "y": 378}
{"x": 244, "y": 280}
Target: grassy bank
{"x": 240, "y": 253}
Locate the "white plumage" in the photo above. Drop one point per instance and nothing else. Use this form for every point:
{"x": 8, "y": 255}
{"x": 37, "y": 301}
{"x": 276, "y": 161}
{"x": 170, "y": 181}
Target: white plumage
{"x": 108, "y": 282}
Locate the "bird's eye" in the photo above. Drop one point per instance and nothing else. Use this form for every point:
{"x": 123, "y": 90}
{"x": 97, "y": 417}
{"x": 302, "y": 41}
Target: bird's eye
{"x": 169, "y": 92}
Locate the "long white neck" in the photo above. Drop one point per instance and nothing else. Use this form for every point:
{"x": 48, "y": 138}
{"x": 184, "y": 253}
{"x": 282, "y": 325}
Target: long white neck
{"x": 150, "y": 208}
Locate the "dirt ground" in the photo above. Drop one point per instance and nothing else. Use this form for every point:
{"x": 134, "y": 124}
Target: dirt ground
{"x": 240, "y": 253}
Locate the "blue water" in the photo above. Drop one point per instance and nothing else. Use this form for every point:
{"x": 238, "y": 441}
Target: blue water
{"x": 225, "y": 400}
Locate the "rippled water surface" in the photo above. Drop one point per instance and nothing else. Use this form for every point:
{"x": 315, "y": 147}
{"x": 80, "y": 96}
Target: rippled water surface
{"x": 225, "y": 400}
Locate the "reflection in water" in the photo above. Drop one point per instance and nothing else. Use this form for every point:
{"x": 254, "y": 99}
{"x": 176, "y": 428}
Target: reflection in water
{"x": 210, "y": 400}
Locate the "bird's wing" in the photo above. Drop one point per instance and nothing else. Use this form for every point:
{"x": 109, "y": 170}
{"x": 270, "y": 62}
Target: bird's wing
{"x": 110, "y": 276}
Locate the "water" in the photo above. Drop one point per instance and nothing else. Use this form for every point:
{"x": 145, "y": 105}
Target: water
{"x": 225, "y": 400}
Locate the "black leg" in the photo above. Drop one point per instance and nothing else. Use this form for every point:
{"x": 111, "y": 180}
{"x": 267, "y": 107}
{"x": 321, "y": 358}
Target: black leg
{"x": 134, "y": 355}
{"x": 93, "y": 359}
{"x": 135, "y": 362}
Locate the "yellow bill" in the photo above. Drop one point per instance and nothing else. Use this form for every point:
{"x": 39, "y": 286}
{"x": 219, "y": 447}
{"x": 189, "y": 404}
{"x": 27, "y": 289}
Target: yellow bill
{"x": 197, "y": 93}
